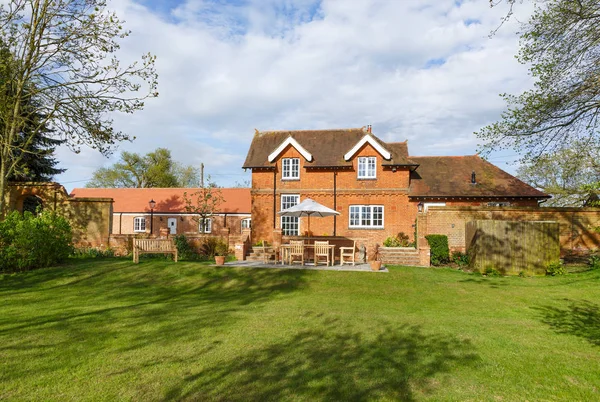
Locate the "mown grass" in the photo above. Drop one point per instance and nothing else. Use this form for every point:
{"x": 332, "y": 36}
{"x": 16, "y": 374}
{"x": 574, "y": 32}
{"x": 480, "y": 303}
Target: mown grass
{"x": 112, "y": 330}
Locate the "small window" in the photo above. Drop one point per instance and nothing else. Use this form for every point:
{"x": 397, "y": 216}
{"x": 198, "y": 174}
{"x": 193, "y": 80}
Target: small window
{"x": 246, "y": 223}
{"x": 290, "y": 168}
{"x": 433, "y": 204}
{"x": 139, "y": 224}
{"x": 367, "y": 167}
{"x": 207, "y": 226}
{"x": 498, "y": 204}
{"x": 366, "y": 216}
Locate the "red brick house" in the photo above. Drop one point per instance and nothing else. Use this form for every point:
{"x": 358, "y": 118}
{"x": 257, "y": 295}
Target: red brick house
{"x": 131, "y": 210}
{"x": 375, "y": 185}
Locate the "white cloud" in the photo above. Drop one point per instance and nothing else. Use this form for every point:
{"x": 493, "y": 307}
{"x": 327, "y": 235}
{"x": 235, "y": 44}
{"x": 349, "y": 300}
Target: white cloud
{"x": 419, "y": 70}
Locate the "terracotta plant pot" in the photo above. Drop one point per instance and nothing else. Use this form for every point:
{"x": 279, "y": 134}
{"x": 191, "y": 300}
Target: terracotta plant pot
{"x": 219, "y": 259}
{"x": 375, "y": 265}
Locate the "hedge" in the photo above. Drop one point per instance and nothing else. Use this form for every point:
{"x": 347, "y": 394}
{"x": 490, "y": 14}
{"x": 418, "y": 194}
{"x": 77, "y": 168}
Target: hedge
{"x": 440, "y": 253}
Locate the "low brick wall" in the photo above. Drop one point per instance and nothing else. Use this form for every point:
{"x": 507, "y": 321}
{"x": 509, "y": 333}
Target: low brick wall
{"x": 122, "y": 244}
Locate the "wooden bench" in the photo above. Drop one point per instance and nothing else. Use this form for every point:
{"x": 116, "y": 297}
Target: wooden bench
{"x": 153, "y": 246}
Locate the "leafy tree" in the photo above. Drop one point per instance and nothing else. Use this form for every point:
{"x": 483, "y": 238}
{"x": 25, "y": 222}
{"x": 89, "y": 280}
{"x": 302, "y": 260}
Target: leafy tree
{"x": 155, "y": 169}
{"x": 561, "y": 43}
{"x": 63, "y": 71}
{"x": 35, "y": 160}
{"x": 204, "y": 202}
{"x": 569, "y": 175}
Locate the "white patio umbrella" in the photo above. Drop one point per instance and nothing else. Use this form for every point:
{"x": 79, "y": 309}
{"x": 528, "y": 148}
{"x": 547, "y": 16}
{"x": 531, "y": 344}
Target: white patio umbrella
{"x": 309, "y": 208}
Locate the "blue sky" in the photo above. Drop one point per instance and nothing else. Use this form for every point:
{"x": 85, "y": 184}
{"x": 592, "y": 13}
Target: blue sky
{"x": 422, "y": 70}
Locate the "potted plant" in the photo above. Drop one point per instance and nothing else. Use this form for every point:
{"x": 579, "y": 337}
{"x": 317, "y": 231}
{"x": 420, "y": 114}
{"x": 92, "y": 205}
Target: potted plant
{"x": 221, "y": 251}
{"x": 374, "y": 260}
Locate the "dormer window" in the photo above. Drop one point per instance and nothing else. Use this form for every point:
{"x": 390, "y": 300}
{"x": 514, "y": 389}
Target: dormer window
{"x": 290, "y": 168}
{"x": 367, "y": 167}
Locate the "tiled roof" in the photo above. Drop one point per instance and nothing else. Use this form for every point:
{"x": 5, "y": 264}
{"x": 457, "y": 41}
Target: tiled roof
{"x": 168, "y": 200}
{"x": 450, "y": 176}
{"x": 326, "y": 146}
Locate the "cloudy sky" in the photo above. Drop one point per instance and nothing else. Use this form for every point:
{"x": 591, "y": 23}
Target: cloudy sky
{"x": 426, "y": 71}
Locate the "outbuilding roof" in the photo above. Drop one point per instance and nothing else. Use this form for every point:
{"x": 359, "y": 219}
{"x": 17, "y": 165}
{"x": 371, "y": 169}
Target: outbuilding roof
{"x": 168, "y": 200}
{"x": 450, "y": 176}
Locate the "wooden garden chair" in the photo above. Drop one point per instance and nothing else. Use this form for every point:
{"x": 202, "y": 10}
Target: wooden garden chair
{"x": 322, "y": 250}
{"x": 268, "y": 252}
{"x": 296, "y": 251}
{"x": 348, "y": 253}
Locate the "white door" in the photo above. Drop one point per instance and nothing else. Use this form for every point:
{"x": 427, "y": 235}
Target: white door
{"x": 172, "y": 224}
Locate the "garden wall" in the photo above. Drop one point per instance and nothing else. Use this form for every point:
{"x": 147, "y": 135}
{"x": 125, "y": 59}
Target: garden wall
{"x": 90, "y": 218}
{"x": 122, "y": 244}
{"x": 579, "y": 228}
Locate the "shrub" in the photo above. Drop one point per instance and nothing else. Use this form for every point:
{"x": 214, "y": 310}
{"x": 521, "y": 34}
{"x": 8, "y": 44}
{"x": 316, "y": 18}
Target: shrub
{"x": 28, "y": 241}
{"x": 440, "y": 254}
{"x": 594, "y": 262}
{"x": 221, "y": 248}
{"x": 214, "y": 246}
{"x": 184, "y": 250}
{"x": 492, "y": 272}
{"x": 90, "y": 252}
{"x": 555, "y": 268}
{"x": 400, "y": 240}
{"x": 460, "y": 259}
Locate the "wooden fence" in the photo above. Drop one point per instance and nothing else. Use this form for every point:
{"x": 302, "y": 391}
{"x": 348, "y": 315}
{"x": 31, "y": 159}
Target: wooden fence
{"x": 512, "y": 246}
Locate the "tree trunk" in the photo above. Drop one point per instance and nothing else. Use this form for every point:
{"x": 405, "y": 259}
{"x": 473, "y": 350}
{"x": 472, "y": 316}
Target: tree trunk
{"x": 3, "y": 192}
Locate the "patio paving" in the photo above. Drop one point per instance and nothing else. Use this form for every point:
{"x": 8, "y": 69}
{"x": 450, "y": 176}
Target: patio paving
{"x": 260, "y": 264}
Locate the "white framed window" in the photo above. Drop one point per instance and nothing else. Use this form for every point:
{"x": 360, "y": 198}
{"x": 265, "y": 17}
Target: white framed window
{"x": 366, "y": 216}
{"x": 290, "y": 168}
{"x": 246, "y": 223}
{"x": 290, "y": 225}
{"x": 433, "y": 204}
{"x": 367, "y": 167}
{"x": 498, "y": 204}
{"x": 207, "y": 225}
{"x": 139, "y": 224}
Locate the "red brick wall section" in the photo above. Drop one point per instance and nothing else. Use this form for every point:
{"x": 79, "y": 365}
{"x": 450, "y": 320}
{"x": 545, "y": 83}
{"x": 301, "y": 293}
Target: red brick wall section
{"x": 578, "y": 226}
{"x": 123, "y": 223}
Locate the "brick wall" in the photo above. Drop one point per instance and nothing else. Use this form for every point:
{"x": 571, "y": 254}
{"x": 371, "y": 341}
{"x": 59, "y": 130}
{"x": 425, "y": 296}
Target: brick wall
{"x": 90, "y": 218}
{"x": 122, "y": 223}
{"x": 122, "y": 243}
{"x": 577, "y": 226}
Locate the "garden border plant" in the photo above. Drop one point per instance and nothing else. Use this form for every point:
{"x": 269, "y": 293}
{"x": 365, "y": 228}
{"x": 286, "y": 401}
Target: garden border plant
{"x": 29, "y": 241}
{"x": 440, "y": 253}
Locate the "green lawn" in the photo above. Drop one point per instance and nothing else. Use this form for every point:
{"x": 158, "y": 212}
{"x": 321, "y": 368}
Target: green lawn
{"x": 111, "y": 330}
